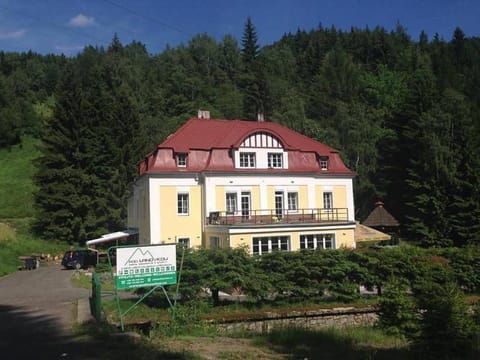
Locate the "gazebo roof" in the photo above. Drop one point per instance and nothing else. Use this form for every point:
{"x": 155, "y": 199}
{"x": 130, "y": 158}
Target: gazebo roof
{"x": 380, "y": 217}
{"x": 365, "y": 233}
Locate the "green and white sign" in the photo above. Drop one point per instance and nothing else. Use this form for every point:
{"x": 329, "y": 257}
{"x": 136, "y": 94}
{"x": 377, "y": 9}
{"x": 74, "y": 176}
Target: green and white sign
{"x": 142, "y": 266}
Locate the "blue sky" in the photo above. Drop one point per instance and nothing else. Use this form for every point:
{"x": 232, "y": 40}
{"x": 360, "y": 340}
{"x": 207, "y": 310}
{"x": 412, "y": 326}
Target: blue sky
{"x": 67, "y": 26}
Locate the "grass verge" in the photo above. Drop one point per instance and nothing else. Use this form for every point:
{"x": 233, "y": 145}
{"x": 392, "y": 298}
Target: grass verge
{"x": 337, "y": 343}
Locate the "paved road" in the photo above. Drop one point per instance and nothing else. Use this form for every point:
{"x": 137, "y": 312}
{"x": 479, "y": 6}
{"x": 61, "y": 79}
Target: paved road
{"x": 36, "y": 314}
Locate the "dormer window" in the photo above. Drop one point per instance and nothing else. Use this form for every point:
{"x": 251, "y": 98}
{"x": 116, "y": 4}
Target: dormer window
{"x": 181, "y": 160}
{"x": 247, "y": 159}
{"x": 260, "y": 150}
{"x": 324, "y": 162}
{"x": 275, "y": 160}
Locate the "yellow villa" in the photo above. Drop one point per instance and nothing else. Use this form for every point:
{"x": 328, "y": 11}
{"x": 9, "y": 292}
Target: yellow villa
{"x": 227, "y": 183}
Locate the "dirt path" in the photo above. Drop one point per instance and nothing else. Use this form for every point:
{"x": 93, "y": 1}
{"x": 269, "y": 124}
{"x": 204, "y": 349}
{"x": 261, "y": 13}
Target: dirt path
{"x": 36, "y": 314}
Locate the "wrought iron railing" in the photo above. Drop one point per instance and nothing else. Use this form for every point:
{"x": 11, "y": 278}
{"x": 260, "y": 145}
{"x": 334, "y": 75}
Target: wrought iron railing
{"x": 277, "y": 216}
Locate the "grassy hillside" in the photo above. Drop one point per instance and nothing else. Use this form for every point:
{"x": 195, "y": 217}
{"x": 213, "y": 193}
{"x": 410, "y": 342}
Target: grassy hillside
{"x": 16, "y": 240}
{"x": 16, "y": 185}
{"x": 16, "y": 207}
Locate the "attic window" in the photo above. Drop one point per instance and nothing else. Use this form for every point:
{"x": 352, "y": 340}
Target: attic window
{"x": 247, "y": 160}
{"x": 181, "y": 160}
{"x": 324, "y": 162}
{"x": 275, "y": 160}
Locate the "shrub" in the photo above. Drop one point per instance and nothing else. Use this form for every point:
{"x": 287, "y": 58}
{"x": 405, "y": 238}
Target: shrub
{"x": 447, "y": 326}
{"x": 398, "y": 314}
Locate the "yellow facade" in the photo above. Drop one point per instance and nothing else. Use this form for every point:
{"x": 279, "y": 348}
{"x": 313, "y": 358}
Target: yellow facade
{"x": 220, "y": 196}
{"x": 303, "y": 197}
{"x": 255, "y": 191}
{"x": 339, "y": 194}
{"x": 174, "y": 226}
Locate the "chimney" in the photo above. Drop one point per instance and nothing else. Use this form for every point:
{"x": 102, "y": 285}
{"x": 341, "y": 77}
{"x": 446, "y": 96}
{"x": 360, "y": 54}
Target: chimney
{"x": 203, "y": 114}
{"x": 260, "y": 117}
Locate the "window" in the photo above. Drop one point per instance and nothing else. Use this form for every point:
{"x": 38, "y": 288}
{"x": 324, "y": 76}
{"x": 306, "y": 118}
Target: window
{"x": 262, "y": 245}
{"x": 182, "y": 160}
{"x": 328, "y": 200}
{"x": 317, "y": 241}
{"x": 231, "y": 202}
{"x": 324, "y": 164}
{"x": 293, "y": 201}
{"x": 275, "y": 160}
{"x": 185, "y": 242}
{"x": 214, "y": 242}
{"x": 245, "y": 204}
{"x": 182, "y": 204}
{"x": 247, "y": 160}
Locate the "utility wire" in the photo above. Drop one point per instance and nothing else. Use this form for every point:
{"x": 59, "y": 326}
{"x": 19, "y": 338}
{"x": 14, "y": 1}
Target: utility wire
{"x": 149, "y": 18}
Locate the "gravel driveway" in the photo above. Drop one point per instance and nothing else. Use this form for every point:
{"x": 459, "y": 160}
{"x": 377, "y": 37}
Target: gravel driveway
{"x": 36, "y": 314}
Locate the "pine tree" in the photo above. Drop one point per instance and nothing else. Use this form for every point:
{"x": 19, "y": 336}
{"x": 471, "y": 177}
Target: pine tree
{"x": 62, "y": 201}
{"x": 253, "y": 80}
{"x": 427, "y": 173}
{"x": 464, "y": 199}
{"x": 91, "y": 148}
{"x": 115, "y": 45}
{"x": 249, "y": 44}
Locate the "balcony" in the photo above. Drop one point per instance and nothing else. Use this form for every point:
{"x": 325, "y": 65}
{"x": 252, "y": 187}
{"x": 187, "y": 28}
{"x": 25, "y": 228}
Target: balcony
{"x": 278, "y": 217}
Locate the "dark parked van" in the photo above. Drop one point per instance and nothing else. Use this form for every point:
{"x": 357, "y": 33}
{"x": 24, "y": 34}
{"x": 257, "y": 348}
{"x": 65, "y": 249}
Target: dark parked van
{"x": 79, "y": 259}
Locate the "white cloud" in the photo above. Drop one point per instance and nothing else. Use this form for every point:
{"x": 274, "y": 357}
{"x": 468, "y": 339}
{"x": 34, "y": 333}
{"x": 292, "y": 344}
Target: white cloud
{"x": 81, "y": 21}
{"x": 12, "y": 34}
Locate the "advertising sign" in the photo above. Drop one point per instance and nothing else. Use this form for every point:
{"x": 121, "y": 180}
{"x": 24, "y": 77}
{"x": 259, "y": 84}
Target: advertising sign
{"x": 142, "y": 266}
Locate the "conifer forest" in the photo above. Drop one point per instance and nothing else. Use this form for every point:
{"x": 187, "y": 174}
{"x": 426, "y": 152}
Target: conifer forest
{"x": 403, "y": 112}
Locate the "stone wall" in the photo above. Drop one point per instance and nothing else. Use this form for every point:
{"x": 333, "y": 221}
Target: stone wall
{"x": 325, "y": 318}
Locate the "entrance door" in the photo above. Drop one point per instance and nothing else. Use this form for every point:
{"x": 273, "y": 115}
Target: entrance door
{"x": 279, "y": 204}
{"x": 245, "y": 205}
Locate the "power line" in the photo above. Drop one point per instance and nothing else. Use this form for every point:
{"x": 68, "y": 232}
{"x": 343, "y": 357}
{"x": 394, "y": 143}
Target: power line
{"x": 149, "y": 18}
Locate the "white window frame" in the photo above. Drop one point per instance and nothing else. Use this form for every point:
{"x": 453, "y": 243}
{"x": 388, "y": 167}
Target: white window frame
{"x": 317, "y": 241}
{"x": 270, "y": 243}
{"x": 247, "y": 160}
{"x": 324, "y": 164}
{"x": 231, "y": 199}
{"x": 275, "y": 160}
{"x": 328, "y": 200}
{"x": 292, "y": 206}
{"x": 181, "y": 204}
{"x": 182, "y": 160}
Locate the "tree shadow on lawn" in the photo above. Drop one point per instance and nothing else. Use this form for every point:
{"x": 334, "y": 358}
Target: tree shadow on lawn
{"x": 328, "y": 344}
{"x": 25, "y": 334}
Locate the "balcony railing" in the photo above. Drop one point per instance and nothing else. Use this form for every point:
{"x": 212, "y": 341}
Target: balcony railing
{"x": 277, "y": 216}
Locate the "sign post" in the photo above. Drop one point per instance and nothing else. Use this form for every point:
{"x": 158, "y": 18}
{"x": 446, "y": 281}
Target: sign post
{"x": 143, "y": 266}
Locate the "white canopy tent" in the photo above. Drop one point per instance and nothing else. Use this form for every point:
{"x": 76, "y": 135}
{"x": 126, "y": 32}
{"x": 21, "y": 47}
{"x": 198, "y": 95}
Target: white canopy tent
{"x": 115, "y": 236}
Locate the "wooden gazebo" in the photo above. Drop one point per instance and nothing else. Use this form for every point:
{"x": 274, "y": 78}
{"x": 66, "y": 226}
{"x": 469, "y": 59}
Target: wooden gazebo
{"x": 381, "y": 219}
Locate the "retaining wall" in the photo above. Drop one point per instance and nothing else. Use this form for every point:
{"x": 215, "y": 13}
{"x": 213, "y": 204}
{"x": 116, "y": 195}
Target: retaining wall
{"x": 325, "y": 318}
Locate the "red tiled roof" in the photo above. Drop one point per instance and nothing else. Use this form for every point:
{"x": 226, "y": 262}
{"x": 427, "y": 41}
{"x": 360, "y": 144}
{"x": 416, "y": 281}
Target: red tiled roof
{"x": 223, "y": 134}
{"x": 208, "y": 144}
